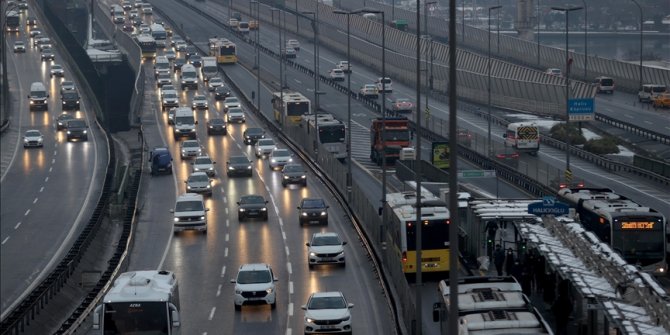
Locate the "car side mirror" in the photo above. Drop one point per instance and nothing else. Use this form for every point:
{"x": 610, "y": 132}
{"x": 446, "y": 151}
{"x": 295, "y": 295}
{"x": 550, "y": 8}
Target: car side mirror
{"x": 504, "y": 135}
{"x": 233, "y": 281}
{"x": 307, "y": 244}
{"x": 28, "y": 96}
{"x": 196, "y": 121}
{"x": 327, "y": 207}
{"x": 213, "y": 162}
{"x": 298, "y": 207}
{"x": 171, "y": 210}
{"x": 238, "y": 202}
{"x": 344, "y": 243}
{"x": 206, "y": 209}
{"x": 266, "y": 201}
{"x": 303, "y": 307}
{"x": 47, "y": 95}
{"x": 193, "y": 163}
{"x": 350, "y": 305}
{"x": 185, "y": 181}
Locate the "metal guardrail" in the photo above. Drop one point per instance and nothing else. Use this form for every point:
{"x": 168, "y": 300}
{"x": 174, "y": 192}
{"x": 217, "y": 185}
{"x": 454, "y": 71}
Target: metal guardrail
{"x": 646, "y": 133}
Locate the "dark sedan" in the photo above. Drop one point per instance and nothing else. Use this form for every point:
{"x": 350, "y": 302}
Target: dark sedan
{"x": 195, "y": 60}
{"x": 70, "y": 100}
{"x": 177, "y": 64}
{"x": 252, "y": 206}
{"x": 293, "y": 174}
{"x": 313, "y": 210}
{"x": 239, "y": 166}
{"x": 61, "y": 121}
{"x": 221, "y": 93}
{"x": 252, "y": 135}
{"x": 216, "y": 126}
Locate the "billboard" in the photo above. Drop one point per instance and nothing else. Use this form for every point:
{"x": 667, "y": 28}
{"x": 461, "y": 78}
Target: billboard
{"x": 440, "y": 157}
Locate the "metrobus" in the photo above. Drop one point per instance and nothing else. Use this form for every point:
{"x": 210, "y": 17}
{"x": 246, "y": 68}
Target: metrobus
{"x": 140, "y": 302}
{"x": 332, "y": 133}
{"x": 289, "y": 107}
{"x": 636, "y": 232}
{"x": 400, "y": 213}
{"x": 224, "y": 50}
{"x": 13, "y": 23}
{"x": 148, "y": 45}
{"x": 159, "y": 34}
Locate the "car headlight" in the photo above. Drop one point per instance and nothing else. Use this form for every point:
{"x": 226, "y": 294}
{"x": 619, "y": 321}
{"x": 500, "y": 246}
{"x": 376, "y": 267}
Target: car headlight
{"x": 290, "y": 159}
{"x": 199, "y": 150}
{"x": 68, "y": 132}
{"x": 176, "y": 219}
{"x": 211, "y": 169}
{"x": 248, "y": 167}
{"x": 263, "y": 209}
{"x": 241, "y": 209}
{"x": 202, "y": 218}
{"x": 77, "y": 101}
{"x": 25, "y": 140}
{"x": 303, "y": 176}
{"x": 309, "y": 320}
{"x": 285, "y": 177}
{"x": 196, "y": 169}
{"x": 84, "y": 131}
{"x": 31, "y": 102}
{"x": 183, "y": 151}
{"x": 209, "y": 186}
{"x": 313, "y": 254}
{"x": 303, "y": 213}
{"x": 211, "y": 127}
{"x": 269, "y": 290}
{"x": 188, "y": 187}
{"x": 323, "y": 213}
{"x": 64, "y": 102}
{"x": 231, "y": 168}
{"x": 274, "y": 160}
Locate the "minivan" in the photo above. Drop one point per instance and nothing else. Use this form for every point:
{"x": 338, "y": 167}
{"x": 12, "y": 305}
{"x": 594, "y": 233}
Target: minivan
{"x": 160, "y": 161}
{"x": 189, "y": 77}
{"x": 38, "y": 96}
{"x": 190, "y": 213}
{"x": 650, "y": 91}
{"x": 604, "y": 85}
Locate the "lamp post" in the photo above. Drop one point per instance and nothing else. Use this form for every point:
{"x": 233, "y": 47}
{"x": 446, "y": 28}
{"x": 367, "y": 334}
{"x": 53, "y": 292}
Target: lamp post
{"x": 349, "y": 176}
{"x": 641, "y": 26}
{"x": 586, "y": 34}
{"x": 4, "y": 93}
{"x": 258, "y": 55}
{"x": 568, "y": 63}
{"x": 538, "y": 31}
{"x": 281, "y": 53}
{"x": 429, "y": 77}
{"x": 418, "y": 220}
{"x": 490, "y": 151}
{"x": 315, "y": 30}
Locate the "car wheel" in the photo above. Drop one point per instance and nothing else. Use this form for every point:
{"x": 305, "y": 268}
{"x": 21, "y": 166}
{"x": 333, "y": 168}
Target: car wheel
{"x": 283, "y": 184}
{"x": 310, "y": 266}
{"x": 274, "y": 304}
{"x": 265, "y": 217}
{"x": 237, "y": 307}
{"x": 304, "y": 183}
{"x": 205, "y": 231}
{"x": 240, "y": 218}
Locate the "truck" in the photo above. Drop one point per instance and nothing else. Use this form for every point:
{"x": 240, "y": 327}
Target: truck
{"x": 396, "y": 137}
{"x": 12, "y": 22}
{"x": 209, "y": 69}
{"x": 523, "y": 137}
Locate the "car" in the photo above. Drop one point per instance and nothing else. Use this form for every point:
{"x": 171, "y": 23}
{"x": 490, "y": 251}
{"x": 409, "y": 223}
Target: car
{"x": 190, "y": 148}
{"x": 170, "y": 55}
{"x": 163, "y": 79}
{"x": 195, "y": 60}
{"x": 62, "y": 120}
{"x": 384, "y": 85}
{"x": 190, "y": 51}
{"x": 126, "y": 5}
{"x": 336, "y": 75}
{"x": 368, "y": 91}
{"x": 293, "y": 174}
{"x": 232, "y": 22}
{"x": 401, "y": 105}
{"x": 313, "y": 210}
{"x": 19, "y": 47}
{"x": 327, "y": 312}
{"x": 278, "y": 158}
{"x": 236, "y": 115}
{"x": 137, "y": 22}
{"x": 344, "y": 66}
{"x": 35, "y": 33}
{"x": 252, "y": 135}
{"x": 326, "y": 248}
{"x": 264, "y": 147}
{"x": 170, "y": 115}
{"x": 76, "y": 129}
{"x": 160, "y": 160}
{"x": 464, "y": 136}
{"x": 216, "y": 126}
{"x": 662, "y": 100}
{"x": 213, "y": 83}
{"x": 231, "y": 102}
{"x": 204, "y": 163}
{"x": 255, "y": 283}
{"x": 554, "y": 72}
{"x": 178, "y": 63}
{"x": 174, "y": 41}
{"x": 199, "y": 182}
{"x": 134, "y": 14}
{"x": 170, "y": 99}
{"x": 138, "y": 4}
{"x": 31, "y": 21}
{"x": 189, "y": 213}
{"x": 67, "y": 85}
{"x": 293, "y": 44}
{"x": 70, "y": 100}
{"x": 42, "y": 42}
{"x": 47, "y": 54}
{"x": 180, "y": 45}
{"x": 239, "y": 165}
{"x": 128, "y": 27}
{"x": 167, "y": 88}
{"x": 119, "y": 19}
{"x": 252, "y": 205}
{"x": 290, "y": 53}
{"x": 33, "y": 138}
{"x": 56, "y": 71}
{"x": 145, "y": 28}
{"x": 221, "y": 93}
{"x": 199, "y": 102}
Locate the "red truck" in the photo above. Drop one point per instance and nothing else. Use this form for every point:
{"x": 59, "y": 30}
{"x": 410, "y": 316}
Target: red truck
{"x": 397, "y": 137}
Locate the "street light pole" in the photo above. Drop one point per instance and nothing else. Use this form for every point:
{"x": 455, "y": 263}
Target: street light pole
{"x": 316, "y": 80}
{"x": 568, "y": 63}
{"x": 538, "y": 31}
{"x": 349, "y": 175}
{"x": 641, "y": 26}
{"x": 258, "y": 54}
{"x": 419, "y": 222}
{"x": 586, "y": 34}
{"x": 489, "y": 144}
{"x": 281, "y": 57}
{"x": 429, "y": 78}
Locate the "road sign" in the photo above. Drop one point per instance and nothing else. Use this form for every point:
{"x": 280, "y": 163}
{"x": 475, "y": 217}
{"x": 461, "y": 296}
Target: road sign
{"x": 581, "y": 109}
{"x": 548, "y": 206}
{"x": 568, "y": 175}
{"x": 440, "y": 157}
{"x": 476, "y": 173}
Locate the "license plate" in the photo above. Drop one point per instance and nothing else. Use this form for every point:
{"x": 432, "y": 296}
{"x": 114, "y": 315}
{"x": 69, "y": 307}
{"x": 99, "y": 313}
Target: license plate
{"x": 328, "y": 327}
{"x": 326, "y": 259}
{"x": 255, "y": 299}
{"x": 314, "y": 221}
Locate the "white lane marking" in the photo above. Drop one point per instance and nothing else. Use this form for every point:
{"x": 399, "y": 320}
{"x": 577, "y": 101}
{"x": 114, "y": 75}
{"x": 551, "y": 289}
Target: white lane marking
{"x": 51, "y": 168}
{"x": 281, "y": 222}
{"x": 266, "y": 186}
{"x": 289, "y": 331}
{"x": 645, "y": 121}
{"x": 227, "y": 223}
{"x": 53, "y": 160}
{"x": 27, "y": 212}
{"x": 41, "y": 189}
{"x": 218, "y": 290}
{"x": 228, "y": 236}
{"x": 628, "y": 116}
{"x": 5, "y": 240}
{"x": 299, "y": 82}
{"x": 290, "y": 287}
{"x": 35, "y": 201}
{"x": 225, "y": 200}
{"x": 17, "y": 225}
{"x": 222, "y": 187}
{"x": 287, "y": 253}
{"x": 289, "y": 268}
{"x": 283, "y": 235}
{"x": 46, "y": 179}
{"x": 223, "y": 271}
{"x": 226, "y": 211}
{"x": 290, "y": 309}
{"x": 211, "y": 314}
{"x": 225, "y": 252}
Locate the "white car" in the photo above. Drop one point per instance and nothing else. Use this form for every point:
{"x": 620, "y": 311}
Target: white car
{"x": 279, "y": 157}
{"x": 327, "y": 312}
{"x": 199, "y": 182}
{"x": 56, "y": 71}
{"x": 336, "y": 74}
{"x": 35, "y": 33}
{"x": 254, "y": 284}
{"x": 290, "y": 53}
{"x": 554, "y": 72}
{"x": 204, "y": 163}
{"x": 170, "y": 99}
{"x": 264, "y": 147}
{"x": 163, "y": 79}
{"x": 326, "y": 248}
{"x": 368, "y": 91}
{"x": 236, "y": 115}
{"x": 134, "y": 13}
{"x": 293, "y": 44}
{"x": 213, "y": 83}
{"x": 170, "y": 55}
{"x": 145, "y": 29}
{"x": 67, "y": 85}
{"x": 180, "y": 46}
{"x": 200, "y": 102}
{"x": 33, "y": 138}
{"x": 344, "y": 66}
{"x": 19, "y": 46}
{"x": 190, "y": 148}
{"x": 384, "y": 85}
{"x": 231, "y": 102}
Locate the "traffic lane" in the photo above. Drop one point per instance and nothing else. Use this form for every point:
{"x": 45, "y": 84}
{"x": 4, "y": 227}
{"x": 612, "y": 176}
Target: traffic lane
{"x": 627, "y": 108}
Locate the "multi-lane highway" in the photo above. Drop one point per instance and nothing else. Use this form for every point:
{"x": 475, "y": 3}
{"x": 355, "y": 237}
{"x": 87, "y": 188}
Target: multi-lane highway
{"x": 46, "y": 192}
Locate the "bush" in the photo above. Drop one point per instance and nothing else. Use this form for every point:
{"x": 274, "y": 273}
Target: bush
{"x": 602, "y": 146}
{"x": 561, "y": 131}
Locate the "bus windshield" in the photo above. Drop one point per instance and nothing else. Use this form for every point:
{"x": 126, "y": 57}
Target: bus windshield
{"x": 137, "y": 318}
{"x": 644, "y": 247}
{"x": 331, "y": 134}
{"x": 434, "y": 235}
{"x": 227, "y": 50}
{"x": 297, "y": 108}
{"x": 397, "y": 135}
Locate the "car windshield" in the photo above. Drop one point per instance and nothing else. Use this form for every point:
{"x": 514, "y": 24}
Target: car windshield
{"x": 254, "y": 277}
{"x": 198, "y": 178}
{"x": 216, "y": 121}
{"x": 252, "y": 199}
{"x": 280, "y": 153}
{"x": 238, "y": 160}
{"x": 326, "y": 303}
{"x": 203, "y": 160}
{"x": 64, "y": 117}
{"x": 326, "y": 240}
{"x": 199, "y": 98}
{"x": 235, "y": 111}
{"x": 232, "y": 101}
{"x": 189, "y": 144}
{"x": 401, "y": 100}
{"x": 170, "y": 95}
{"x": 70, "y": 96}
{"x": 164, "y": 76}
{"x": 76, "y": 124}
{"x": 313, "y": 203}
{"x": 215, "y": 81}
{"x": 189, "y": 206}
{"x": 254, "y": 131}
{"x": 32, "y": 133}
{"x": 266, "y": 142}
{"x": 293, "y": 168}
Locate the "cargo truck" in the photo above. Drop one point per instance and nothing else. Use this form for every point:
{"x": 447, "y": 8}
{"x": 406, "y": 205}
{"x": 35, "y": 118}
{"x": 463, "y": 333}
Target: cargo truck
{"x": 396, "y": 137}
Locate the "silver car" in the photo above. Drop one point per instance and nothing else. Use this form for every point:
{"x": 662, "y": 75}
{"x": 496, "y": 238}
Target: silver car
{"x": 190, "y": 148}
{"x": 326, "y": 248}
{"x": 199, "y": 182}
{"x": 33, "y": 138}
{"x": 279, "y": 157}
{"x": 236, "y": 115}
{"x": 204, "y": 164}
{"x": 264, "y": 147}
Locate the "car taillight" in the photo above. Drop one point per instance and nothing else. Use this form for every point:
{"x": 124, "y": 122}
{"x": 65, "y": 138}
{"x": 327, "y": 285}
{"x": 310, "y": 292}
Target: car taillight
{"x": 500, "y": 155}
{"x": 562, "y": 185}
{"x": 404, "y": 256}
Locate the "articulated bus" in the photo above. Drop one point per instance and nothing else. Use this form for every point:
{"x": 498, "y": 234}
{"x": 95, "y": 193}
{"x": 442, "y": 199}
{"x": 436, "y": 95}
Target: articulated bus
{"x": 636, "y": 232}
{"x": 147, "y": 44}
{"x": 400, "y": 213}
{"x": 332, "y": 132}
{"x": 140, "y": 302}
{"x": 291, "y": 109}
{"x": 224, "y": 50}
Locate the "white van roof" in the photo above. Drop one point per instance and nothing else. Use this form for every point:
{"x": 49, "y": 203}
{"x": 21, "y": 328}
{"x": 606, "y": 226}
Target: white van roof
{"x": 187, "y": 68}
{"x": 37, "y": 86}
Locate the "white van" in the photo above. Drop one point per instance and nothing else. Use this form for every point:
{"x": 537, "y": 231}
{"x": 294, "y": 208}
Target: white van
{"x": 604, "y": 85}
{"x": 650, "y": 91}
{"x": 184, "y": 123}
{"x": 523, "y": 136}
{"x": 188, "y": 76}
{"x": 384, "y": 83}
{"x": 38, "y": 96}
{"x": 190, "y": 213}
{"x": 147, "y": 9}
{"x": 162, "y": 65}
{"x": 209, "y": 68}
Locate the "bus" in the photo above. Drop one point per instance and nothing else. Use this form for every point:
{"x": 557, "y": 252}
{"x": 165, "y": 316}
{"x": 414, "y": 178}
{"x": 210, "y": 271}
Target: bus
{"x": 332, "y": 133}
{"x": 289, "y": 107}
{"x": 224, "y": 50}
{"x": 159, "y": 34}
{"x": 400, "y": 214}
{"x": 148, "y": 45}
{"x": 636, "y": 232}
{"x": 140, "y": 302}
{"x": 12, "y": 22}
